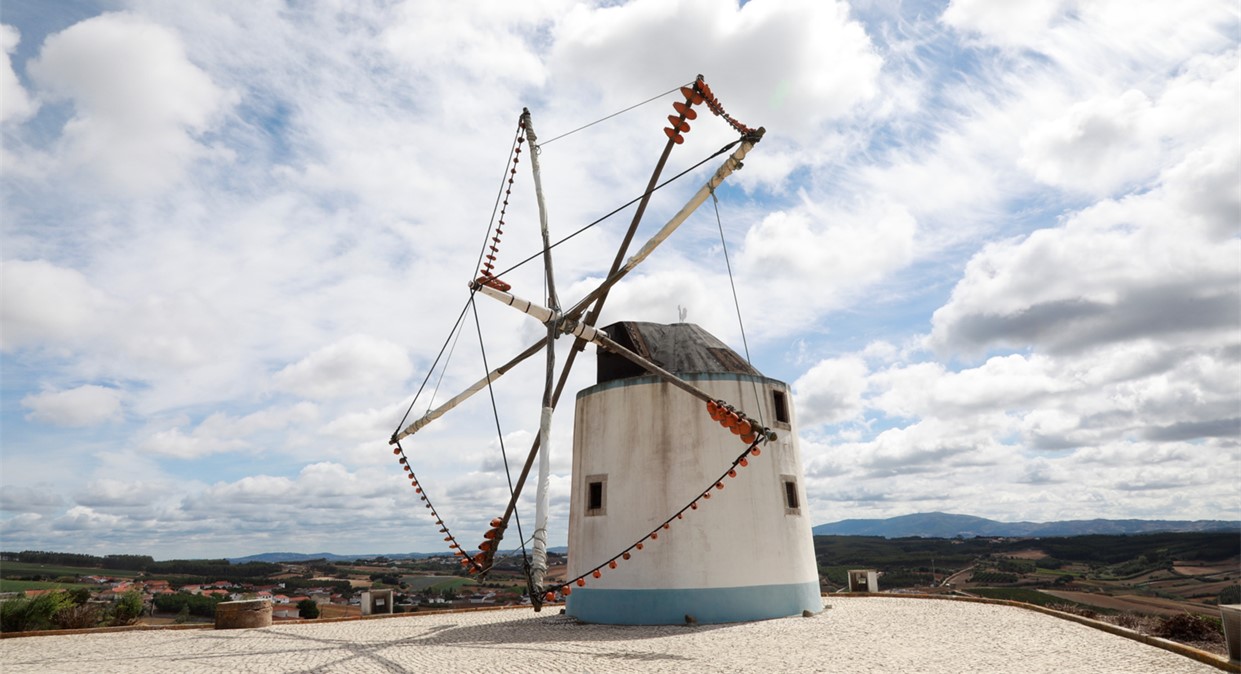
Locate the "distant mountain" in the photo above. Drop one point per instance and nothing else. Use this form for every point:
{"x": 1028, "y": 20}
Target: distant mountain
{"x": 328, "y": 556}
{"x": 947, "y": 525}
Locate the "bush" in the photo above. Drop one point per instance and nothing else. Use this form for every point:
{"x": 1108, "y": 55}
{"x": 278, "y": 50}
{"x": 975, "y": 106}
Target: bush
{"x": 39, "y": 613}
{"x": 197, "y": 604}
{"x": 1230, "y": 595}
{"x": 1188, "y": 627}
{"x": 78, "y": 616}
{"x": 1076, "y": 609}
{"x": 128, "y": 608}
{"x": 307, "y": 608}
{"x": 1129, "y": 620}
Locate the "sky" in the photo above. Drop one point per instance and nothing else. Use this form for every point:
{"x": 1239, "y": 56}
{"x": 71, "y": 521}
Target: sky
{"x": 993, "y": 246}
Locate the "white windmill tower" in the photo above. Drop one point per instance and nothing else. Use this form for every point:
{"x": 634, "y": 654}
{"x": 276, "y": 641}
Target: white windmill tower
{"x": 687, "y": 499}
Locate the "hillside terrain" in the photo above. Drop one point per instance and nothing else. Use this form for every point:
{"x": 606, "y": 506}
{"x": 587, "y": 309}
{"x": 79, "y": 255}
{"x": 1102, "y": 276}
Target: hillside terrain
{"x": 948, "y": 525}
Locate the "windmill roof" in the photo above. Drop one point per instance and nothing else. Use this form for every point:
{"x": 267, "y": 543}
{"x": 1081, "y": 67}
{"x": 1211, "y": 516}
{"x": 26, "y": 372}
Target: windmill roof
{"x": 680, "y": 348}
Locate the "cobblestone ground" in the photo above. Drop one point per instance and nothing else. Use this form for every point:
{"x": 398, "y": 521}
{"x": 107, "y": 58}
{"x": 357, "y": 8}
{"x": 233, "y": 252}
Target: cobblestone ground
{"x": 855, "y": 635}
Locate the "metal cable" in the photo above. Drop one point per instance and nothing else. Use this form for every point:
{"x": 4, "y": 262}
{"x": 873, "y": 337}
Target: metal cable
{"x": 620, "y": 112}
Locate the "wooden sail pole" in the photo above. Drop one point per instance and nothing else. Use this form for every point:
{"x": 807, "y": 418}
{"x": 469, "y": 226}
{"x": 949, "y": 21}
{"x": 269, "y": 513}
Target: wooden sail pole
{"x": 538, "y": 563}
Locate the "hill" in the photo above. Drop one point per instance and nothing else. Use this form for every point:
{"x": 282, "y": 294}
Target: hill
{"x": 332, "y": 557}
{"x": 947, "y": 525}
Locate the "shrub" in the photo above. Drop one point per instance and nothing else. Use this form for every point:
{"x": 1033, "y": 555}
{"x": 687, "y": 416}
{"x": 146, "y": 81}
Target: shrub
{"x": 78, "y": 616}
{"x": 307, "y": 608}
{"x": 25, "y": 615}
{"x": 1230, "y": 595}
{"x": 1076, "y": 609}
{"x": 1129, "y": 620}
{"x": 1188, "y": 627}
{"x": 128, "y": 608}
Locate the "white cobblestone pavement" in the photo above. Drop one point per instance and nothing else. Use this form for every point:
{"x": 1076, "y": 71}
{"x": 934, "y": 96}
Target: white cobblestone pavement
{"x": 854, "y": 635}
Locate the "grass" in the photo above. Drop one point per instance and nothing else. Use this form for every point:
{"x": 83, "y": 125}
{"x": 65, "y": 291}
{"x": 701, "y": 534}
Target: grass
{"x": 420, "y": 583}
{"x": 454, "y": 583}
{"x": 10, "y": 569}
{"x": 7, "y": 585}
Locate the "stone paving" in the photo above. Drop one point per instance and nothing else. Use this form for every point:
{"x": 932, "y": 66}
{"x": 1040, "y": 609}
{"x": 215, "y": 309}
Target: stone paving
{"x": 854, "y": 635}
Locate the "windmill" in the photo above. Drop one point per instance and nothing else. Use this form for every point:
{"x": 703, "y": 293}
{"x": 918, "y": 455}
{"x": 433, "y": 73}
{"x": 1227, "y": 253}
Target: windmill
{"x": 687, "y": 490}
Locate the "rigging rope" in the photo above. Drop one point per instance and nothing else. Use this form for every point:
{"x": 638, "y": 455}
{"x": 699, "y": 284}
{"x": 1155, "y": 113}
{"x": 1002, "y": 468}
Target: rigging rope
{"x": 619, "y": 112}
{"x": 495, "y": 411}
{"x": 431, "y": 370}
{"x": 715, "y": 202}
{"x": 444, "y": 370}
{"x": 622, "y": 207}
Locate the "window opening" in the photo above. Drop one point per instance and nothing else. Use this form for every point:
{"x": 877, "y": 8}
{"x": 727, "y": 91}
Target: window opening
{"x": 596, "y": 494}
{"x": 781, "y": 405}
{"x": 792, "y": 504}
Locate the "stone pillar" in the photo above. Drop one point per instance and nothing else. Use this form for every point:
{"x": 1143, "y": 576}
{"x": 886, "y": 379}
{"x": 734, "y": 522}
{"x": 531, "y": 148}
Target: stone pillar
{"x": 250, "y": 613}
{"x": 1231, "y": 615}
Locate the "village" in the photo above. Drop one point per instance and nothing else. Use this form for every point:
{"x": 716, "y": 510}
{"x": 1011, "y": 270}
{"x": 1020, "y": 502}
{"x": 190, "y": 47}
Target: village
{"x": 296, "y": 590}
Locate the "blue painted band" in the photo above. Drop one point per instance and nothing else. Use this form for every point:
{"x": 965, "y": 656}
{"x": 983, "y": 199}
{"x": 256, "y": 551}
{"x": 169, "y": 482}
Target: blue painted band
{"x": 706, "y": 605}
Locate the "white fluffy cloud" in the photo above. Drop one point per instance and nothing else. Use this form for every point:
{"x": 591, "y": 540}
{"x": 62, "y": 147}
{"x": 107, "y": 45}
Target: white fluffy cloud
{"x": 46, "y": 304}
{"x": 140, "y": 105}
{"x": 15, "y": 104}
{"x": 354, "y": 364}
{"x": 87, "y": 405}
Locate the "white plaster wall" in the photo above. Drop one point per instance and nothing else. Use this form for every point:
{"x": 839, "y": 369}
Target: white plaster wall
{"x": 659, "y": 449}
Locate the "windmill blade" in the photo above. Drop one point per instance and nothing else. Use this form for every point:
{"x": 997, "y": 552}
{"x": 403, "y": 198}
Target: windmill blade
{"x": 469, "y": 391}
{"x": 731, "y": 164}
{"x": 578, "y": 345}
{"x": 599, "y": 295}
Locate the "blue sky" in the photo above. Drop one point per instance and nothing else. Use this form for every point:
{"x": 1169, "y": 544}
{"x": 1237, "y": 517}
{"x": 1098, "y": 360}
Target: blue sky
{"x": 994, "y": 247}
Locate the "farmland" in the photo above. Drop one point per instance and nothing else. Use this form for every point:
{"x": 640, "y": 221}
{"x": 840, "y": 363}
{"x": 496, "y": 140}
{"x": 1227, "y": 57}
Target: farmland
{"x": 1153, "y": 574}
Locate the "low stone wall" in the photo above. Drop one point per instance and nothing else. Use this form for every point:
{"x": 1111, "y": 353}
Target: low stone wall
{"x": 231, "y": 615}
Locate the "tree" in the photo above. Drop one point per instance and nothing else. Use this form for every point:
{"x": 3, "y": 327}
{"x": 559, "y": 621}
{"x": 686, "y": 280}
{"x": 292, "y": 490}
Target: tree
{"x": 128, "y": 608}
{"x": 307, "y": 608}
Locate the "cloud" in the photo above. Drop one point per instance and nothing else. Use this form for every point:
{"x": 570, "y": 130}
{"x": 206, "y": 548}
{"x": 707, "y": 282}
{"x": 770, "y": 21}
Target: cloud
{"x": 831, "y": 391}
{"x": 44, "y": 304}
{"x": 41, "y": 498}
{"x": 790, "y": 65}
{"x": 140, "y": 105}
{"x": 1005, "y": 22}
{"x": 87, "y": 405}
{"x": 355, "y": 364}
{"x": 1096, "y": 147}
{"x": 275, "y": 427}
{"x": 15, "y": 104}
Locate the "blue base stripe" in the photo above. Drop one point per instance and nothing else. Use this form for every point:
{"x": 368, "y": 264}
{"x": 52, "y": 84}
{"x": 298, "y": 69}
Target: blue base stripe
{"x": 706, "y": 605}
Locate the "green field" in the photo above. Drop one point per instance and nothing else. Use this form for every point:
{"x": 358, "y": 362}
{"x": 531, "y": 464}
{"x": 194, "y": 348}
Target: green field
{"x": 435, "y": 583}
{"x": 7, "y": 585}
{"x": 1029, "y": 596}
{"x": 12, "y": 569}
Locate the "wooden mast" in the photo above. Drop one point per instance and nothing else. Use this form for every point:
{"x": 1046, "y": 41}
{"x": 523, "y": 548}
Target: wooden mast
{"x": 538, "y": 563}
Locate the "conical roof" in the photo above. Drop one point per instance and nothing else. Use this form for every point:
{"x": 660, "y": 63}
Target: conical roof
{"x": 680, "y": 348}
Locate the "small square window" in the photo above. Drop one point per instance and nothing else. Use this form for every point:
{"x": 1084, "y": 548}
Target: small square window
{"x": 792, "y": 503}
{"x": 780, "y": 406}
{"x": 596, "y": 495}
